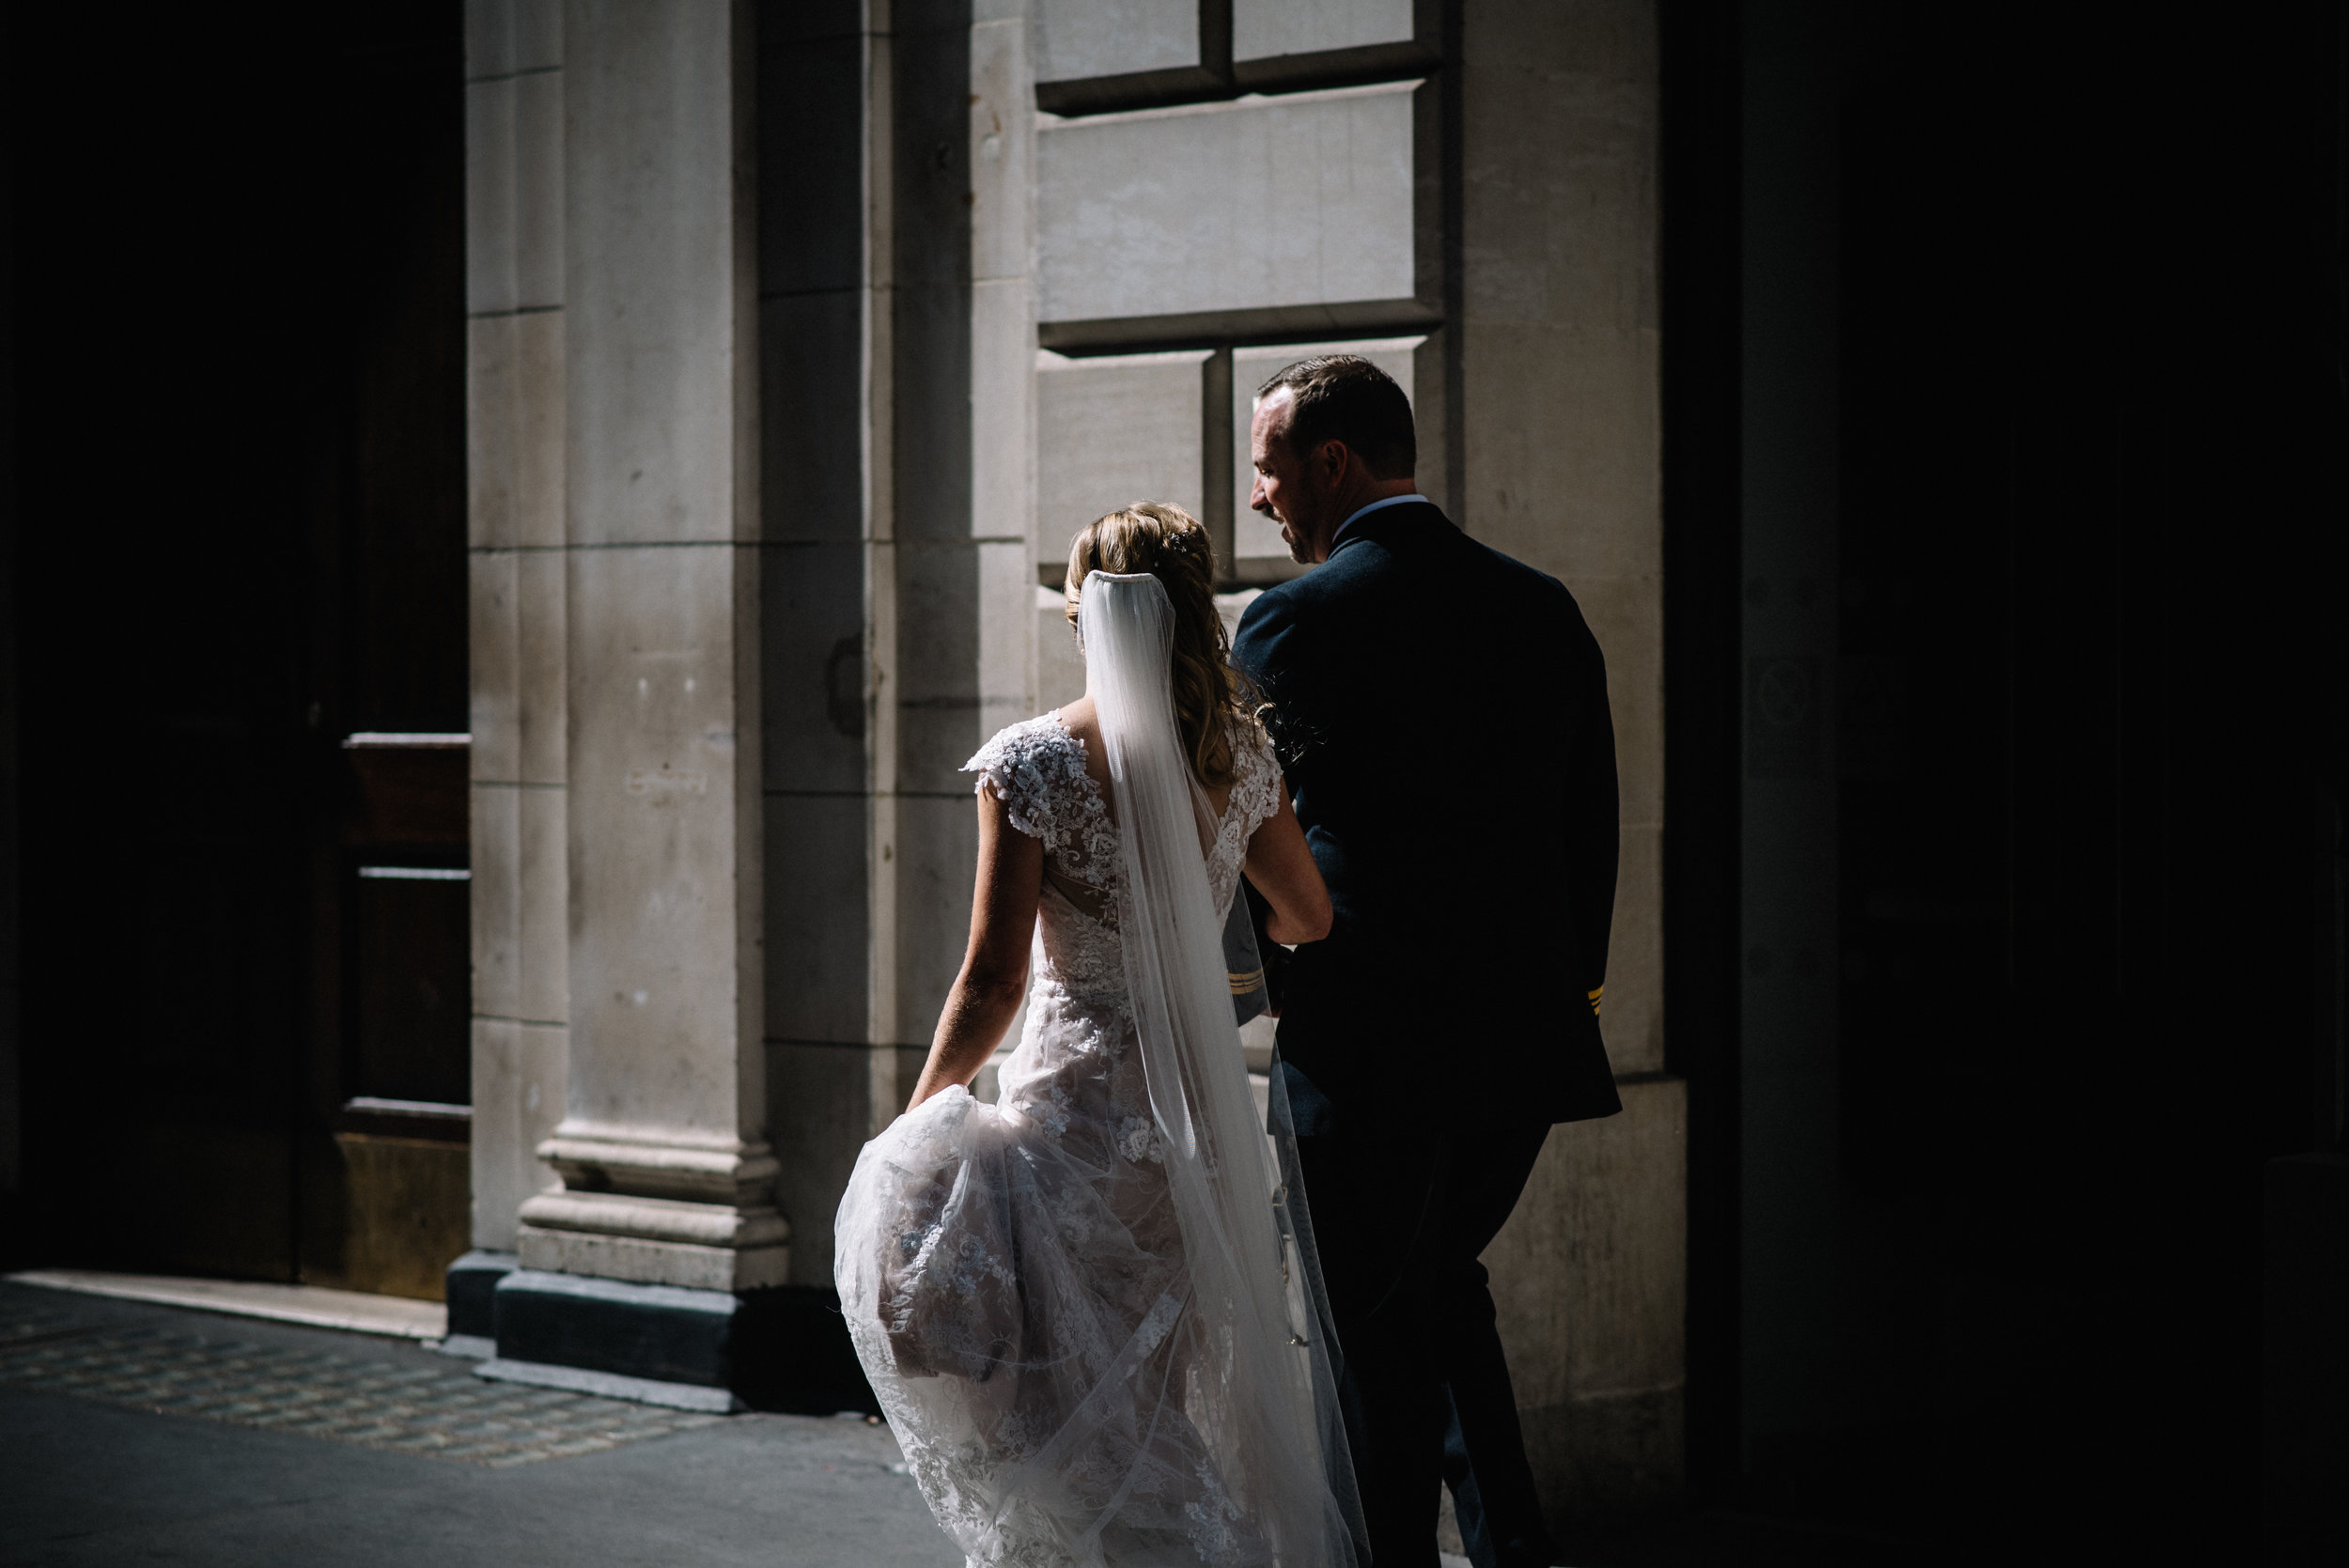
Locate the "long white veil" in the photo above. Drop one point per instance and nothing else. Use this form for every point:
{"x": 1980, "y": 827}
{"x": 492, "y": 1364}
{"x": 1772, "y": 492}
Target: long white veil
{"x": 1262, "y": 1376}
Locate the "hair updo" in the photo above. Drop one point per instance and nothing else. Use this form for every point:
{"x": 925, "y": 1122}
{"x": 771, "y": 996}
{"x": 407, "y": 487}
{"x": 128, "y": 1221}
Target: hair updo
{"x": 1160, "y": 538}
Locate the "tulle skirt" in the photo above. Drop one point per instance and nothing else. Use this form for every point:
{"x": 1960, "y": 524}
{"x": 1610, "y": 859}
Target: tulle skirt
{"x": 1018, "y": 1294}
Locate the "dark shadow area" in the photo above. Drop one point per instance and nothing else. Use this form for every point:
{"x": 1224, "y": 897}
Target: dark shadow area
{"x": 237, "y": 318}
{"x": 2073, "y": 611}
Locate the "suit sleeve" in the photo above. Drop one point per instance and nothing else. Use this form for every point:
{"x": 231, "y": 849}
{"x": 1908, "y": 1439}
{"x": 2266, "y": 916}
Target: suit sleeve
{"x": 1591, "y": 815}
{"x": 1268, "y": 652}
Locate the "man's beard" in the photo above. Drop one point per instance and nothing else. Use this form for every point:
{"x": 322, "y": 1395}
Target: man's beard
{"x": 1299, "y": 538}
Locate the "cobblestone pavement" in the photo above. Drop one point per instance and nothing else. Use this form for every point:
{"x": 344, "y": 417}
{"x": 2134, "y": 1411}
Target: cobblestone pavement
{"x": 132, "y": 1432}
{"x": 442, "y": 1411}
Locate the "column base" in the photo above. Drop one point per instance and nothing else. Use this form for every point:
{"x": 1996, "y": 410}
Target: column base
{"x": 778, "y": 1348}
{"x": 639, "y": 1260}
{"x": 469, "y": 1288}
{"x": 656, "y": 1241}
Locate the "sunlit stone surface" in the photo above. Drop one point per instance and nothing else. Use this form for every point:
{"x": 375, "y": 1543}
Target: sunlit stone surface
{"x": 1164, "y": 212}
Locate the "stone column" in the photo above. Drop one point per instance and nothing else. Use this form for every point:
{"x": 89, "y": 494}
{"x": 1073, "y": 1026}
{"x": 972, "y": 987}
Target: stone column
{"x": 963, "y": 578}
{"x": 895, "y": 578}
{"x": 666, "y": 1172}
{"x": 829, "y": 311}
{"x": 514, "y": 305}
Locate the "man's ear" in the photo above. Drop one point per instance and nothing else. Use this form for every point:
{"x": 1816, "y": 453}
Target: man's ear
{"x": 1331, "y": 457}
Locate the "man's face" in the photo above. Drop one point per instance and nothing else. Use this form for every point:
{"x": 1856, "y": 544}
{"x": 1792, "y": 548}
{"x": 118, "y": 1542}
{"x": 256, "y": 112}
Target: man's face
{"x": 1287, "y": 489}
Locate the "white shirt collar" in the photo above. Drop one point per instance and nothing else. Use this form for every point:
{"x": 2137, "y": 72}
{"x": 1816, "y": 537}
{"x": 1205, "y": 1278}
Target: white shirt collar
{"x": 1365, "y": 511}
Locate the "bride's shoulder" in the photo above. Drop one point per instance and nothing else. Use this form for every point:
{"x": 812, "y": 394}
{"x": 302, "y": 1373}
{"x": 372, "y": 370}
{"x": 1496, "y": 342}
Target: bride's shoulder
{"x": 1029, "y": 763}
{"x": 1037, "y": 768}
{"x": 1252, "y": 746}
{"x": 1028, "y": 742}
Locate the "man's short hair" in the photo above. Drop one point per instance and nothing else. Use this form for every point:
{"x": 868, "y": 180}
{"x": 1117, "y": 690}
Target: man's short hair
{"x": 1346, "y": 397}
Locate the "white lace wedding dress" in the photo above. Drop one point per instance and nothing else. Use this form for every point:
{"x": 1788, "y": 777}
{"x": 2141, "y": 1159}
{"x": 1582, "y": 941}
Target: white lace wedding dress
{"x": 1015, "y": 1276}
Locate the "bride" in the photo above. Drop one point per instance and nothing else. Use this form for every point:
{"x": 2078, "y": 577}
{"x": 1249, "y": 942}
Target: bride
{"x": 1092, "y": 1311}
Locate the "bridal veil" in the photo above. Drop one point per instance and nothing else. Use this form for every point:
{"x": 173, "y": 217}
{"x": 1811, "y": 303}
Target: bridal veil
{"x": 1261, "y": 1381}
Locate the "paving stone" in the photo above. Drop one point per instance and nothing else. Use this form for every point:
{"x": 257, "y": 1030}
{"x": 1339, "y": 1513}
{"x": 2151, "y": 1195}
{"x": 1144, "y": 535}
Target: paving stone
{"x": 369, "y": 1453}
{"x": 447, "y": 1413}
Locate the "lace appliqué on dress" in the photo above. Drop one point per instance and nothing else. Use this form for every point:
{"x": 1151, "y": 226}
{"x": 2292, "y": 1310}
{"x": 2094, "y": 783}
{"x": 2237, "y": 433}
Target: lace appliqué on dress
{"x": 1037, "y": 770}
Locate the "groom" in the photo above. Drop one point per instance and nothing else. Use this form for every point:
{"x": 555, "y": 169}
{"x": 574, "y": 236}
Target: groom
{"x": 1440, "y": 711}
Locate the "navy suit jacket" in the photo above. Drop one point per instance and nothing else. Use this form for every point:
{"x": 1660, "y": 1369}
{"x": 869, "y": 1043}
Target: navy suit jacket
{"x": 1440, "y": 711}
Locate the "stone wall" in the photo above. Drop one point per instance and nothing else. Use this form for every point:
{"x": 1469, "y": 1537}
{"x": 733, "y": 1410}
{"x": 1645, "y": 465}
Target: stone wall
{"x": 1560, "y": 435}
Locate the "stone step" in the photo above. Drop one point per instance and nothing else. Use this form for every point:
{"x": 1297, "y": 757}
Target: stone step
{"x": 312, "y": 1305}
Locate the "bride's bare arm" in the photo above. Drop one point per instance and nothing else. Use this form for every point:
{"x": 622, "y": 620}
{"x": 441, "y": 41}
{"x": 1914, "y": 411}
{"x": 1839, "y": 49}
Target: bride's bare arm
{"x": 1281, "y": 867}
{"x": 994, "y": 975}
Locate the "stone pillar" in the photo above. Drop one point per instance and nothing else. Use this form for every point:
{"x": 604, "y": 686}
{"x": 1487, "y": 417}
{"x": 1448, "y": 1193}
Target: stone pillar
{"x": 963, "y": 581}
{"x": 829, "y": 304}
{"x": 618, "y": 831}
{"x": 1001, "y": 473}
{"x": 891, "y": 652}
{"x": 515, "y": 351}
{"x": 666, "y": 1173}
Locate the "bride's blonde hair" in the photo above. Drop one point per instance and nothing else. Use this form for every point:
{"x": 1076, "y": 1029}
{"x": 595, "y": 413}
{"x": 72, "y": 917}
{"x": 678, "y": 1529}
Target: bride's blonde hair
{"x": 1170, "y": 544}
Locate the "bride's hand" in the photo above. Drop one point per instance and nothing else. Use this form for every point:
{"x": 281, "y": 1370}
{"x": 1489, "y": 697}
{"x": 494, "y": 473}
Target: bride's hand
{"x": 1281, "y": 865}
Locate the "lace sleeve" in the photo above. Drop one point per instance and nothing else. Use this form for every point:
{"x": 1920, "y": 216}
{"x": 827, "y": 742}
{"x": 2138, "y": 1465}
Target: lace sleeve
{"x": 1037, "y": 770}
{"x": 1020, "y": 765}
{"x": 1256, "y": 791}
